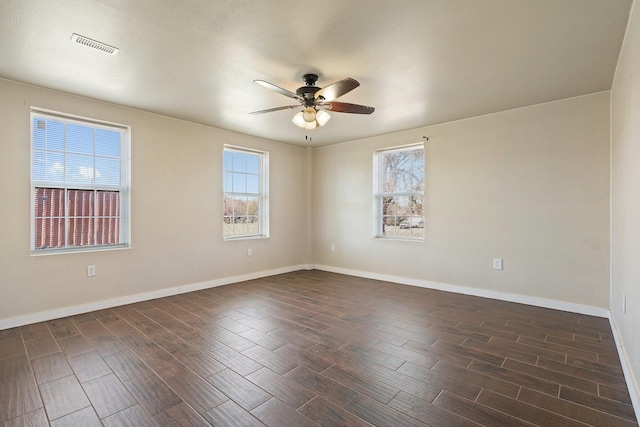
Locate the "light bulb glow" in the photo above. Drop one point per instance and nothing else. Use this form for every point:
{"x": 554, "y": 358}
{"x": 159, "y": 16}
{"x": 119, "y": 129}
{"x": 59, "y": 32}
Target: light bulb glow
{"x": 309, "y": 114}
{"x": 298, "y": 119}
{"x": 322, "y": 117}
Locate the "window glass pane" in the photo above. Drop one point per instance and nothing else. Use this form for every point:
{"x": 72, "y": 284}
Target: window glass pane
{"x": 49, "y": 202}
{"x": 253, "y": 227}
{"x": 48, "y": 134}
{"x": 388, "y": 206}
{"x": 80, "y": 203}
{"x": 228, "y": 182}
{"x": 416, "y": 205}
{"x": 404, "y": 182}
{"x": 390, "y": 179}
{"x": 239, "y": 183}
{"x": 227, "y": 226}
{"x": 418, "y": 159}
{"x": 39, "y": 133}
{"x": 417, "y": 181}
{"x": 48, "y": 166}
{"x": 107, "y": 143}
{"x": 253, "y": 164}
{"x": 411, "y": 226}
{"x": 238, "y": 228}
{"x": 239, "y": 162}
{"x": 253, "y": 205}
{"x": 417, "y": 226}
{"x": 79, "y": 169}
{"x": 108, "y": 231}
{"x": 387, "y": 159}
{"x": 49, "y": 232}
{"x": 253, "y": 184}
{"x": 55, "y": 135}
{"x": 79, "y": 138}
{"x": 403, "y": 206}
{"x": 228, "y": 161}
{"x": 80, "y": 231}
{"x": 108, "y": 203}
{"x": 107, "y": 171}
{"x": 227, "y": 206}
{"x": 239, "y": 206}
{"x": 389, "y": 226}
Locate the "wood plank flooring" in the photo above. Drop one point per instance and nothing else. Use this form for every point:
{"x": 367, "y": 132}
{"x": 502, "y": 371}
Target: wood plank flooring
{"x": 312, "y": 348}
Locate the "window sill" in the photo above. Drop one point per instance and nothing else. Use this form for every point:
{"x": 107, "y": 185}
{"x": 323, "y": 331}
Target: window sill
{"x": 400, "y": 239}
{"x": 42, "y": 252}
{"x": 232, "y": 238}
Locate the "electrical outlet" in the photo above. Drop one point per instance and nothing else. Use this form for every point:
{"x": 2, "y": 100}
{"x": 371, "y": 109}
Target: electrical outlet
{"x": 249, "y": 252}
{"x": 91, "y": 270}
{"x": 497, "y": 263}
{"x": 333, "y": 248}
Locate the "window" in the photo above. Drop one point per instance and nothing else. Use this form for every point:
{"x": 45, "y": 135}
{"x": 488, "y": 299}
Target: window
{"x": 245, "y": 205}
{"x": 79, "y": 184}
{"x": 399, "y": 186}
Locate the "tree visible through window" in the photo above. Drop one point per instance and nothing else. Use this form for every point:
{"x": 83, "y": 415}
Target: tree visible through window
{"x": 245, "y": 203}
{"x": 79, "y": 177}
{"x": 400, "y": 192}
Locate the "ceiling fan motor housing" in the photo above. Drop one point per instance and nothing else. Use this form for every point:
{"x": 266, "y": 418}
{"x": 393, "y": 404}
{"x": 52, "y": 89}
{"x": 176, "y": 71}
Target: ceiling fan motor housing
{"x": 308, "y": 91}
{"x": 310, "y": 79}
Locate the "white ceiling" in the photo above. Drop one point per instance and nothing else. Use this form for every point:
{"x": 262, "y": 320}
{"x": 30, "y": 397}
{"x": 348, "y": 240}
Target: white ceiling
{"x": 418, "y": 62}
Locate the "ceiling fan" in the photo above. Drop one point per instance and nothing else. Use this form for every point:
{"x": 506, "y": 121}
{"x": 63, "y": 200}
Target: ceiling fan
{"x": 316, "y": 101}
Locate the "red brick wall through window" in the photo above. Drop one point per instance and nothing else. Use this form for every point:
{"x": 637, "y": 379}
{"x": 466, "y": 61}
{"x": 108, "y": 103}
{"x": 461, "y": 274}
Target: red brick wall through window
{"x": 92, "y": 218}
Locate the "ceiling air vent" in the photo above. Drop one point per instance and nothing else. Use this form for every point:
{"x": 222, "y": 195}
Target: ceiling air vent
{"x": 94, "y": 44}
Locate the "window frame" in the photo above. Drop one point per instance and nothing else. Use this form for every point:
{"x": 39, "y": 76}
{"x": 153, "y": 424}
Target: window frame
{"x": 379, "y": 194}
{"x": 124, "y": 187}
{"x": 262, "y": 195}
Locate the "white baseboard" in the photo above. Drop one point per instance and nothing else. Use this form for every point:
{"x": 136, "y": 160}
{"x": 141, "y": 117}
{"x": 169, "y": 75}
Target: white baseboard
{"x": 145, "y": 296}
{"x": 502, "y": 296}
{"x": 632, "y": 386}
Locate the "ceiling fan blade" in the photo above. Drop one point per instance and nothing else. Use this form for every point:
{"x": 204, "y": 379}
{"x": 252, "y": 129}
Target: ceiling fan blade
{"x": 288, "y": 107}
{"x": 345, "y": 107}
{"x": 278, "y": 89}
{"x": 339, "y": 88}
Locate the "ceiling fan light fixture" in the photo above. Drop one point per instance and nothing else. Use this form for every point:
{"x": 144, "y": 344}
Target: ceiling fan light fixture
{"x": 309, "y": 114}
{"x": 322, "y": 117}
{"x": 299, "y": 120}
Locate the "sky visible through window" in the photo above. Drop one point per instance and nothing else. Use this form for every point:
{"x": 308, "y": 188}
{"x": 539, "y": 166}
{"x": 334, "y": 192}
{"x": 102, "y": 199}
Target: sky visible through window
{"x": 242, "y": 172}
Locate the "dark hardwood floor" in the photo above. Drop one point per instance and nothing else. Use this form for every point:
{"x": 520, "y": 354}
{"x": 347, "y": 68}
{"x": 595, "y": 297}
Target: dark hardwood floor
{"x": 314, "y": 348}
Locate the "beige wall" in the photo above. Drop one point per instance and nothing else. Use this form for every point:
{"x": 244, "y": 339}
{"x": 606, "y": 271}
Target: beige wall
{"x": 625, "y": 195}
{"x": 530, "y": 186}
{"x": 174, "y": 242}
